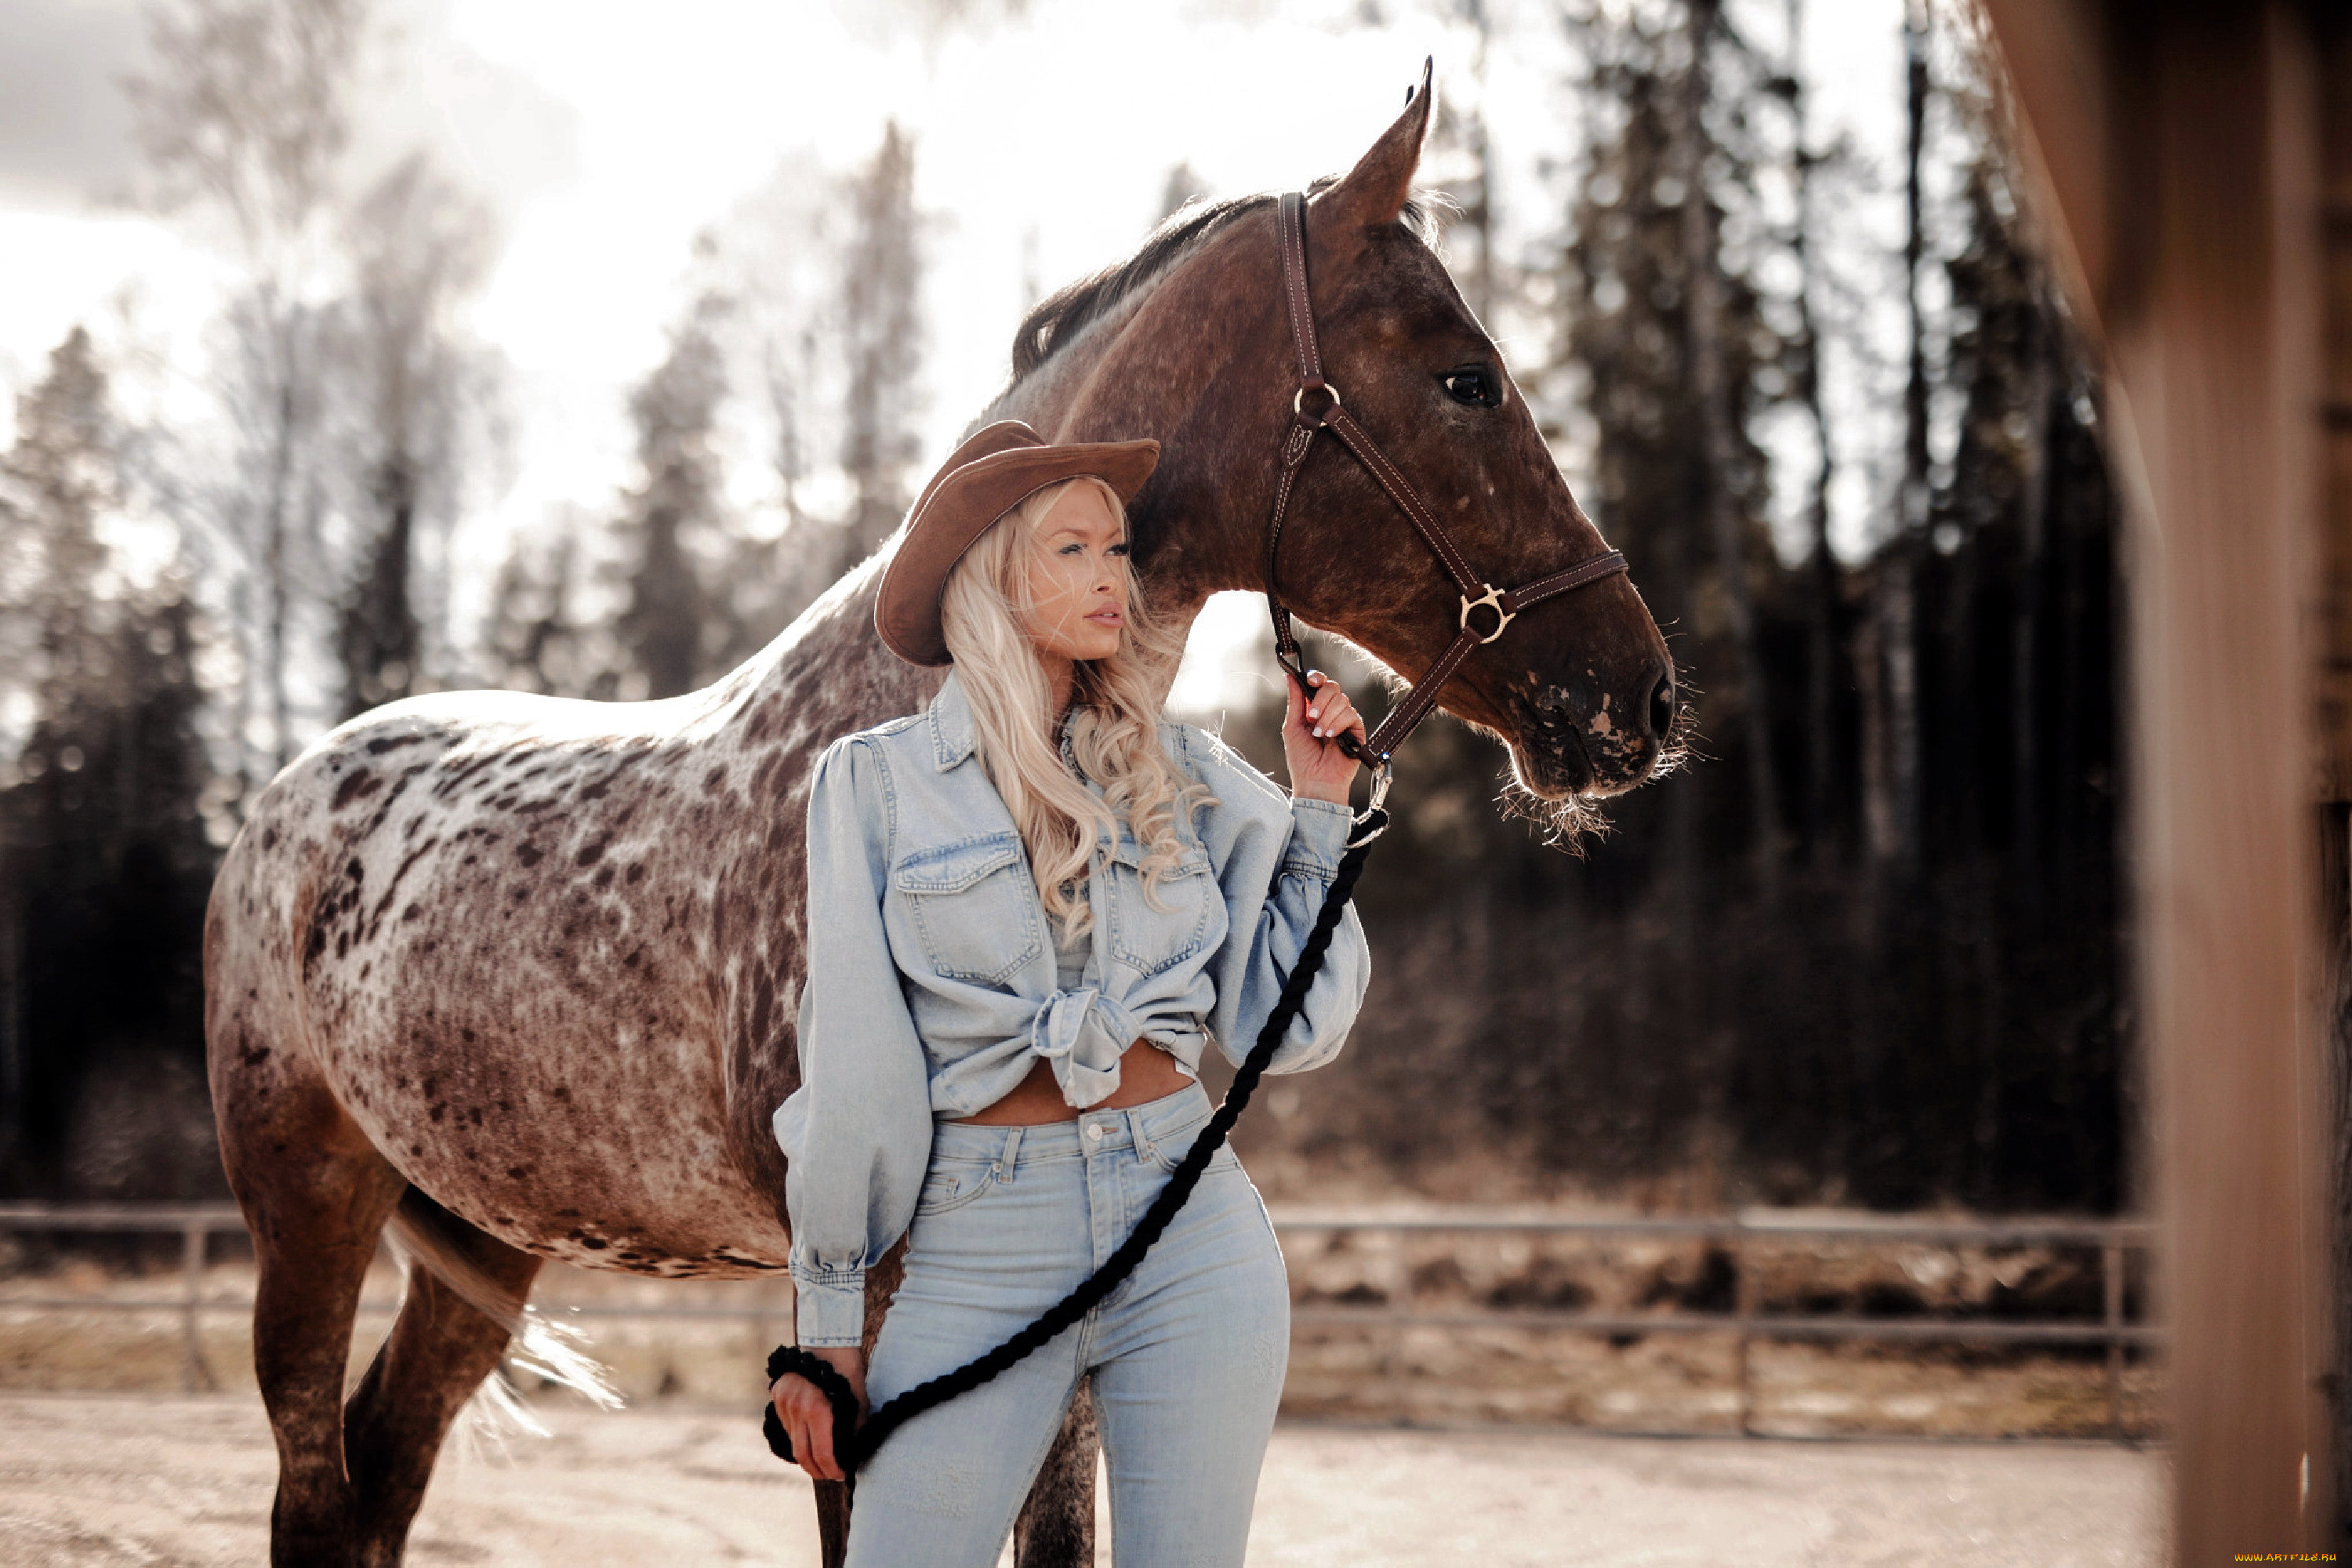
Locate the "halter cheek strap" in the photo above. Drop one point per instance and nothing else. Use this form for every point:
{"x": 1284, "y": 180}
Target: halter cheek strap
{"x": 1487, "y": 611}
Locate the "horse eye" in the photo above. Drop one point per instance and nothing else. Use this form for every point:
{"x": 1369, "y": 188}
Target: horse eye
{"x": 1473, "y": 386}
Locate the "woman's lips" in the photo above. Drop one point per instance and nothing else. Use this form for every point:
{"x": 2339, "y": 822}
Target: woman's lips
{"x": 1107, "y": 618}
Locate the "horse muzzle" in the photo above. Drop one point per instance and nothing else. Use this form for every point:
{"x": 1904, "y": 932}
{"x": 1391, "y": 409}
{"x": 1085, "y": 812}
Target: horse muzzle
{"x": 1590, "y": 742}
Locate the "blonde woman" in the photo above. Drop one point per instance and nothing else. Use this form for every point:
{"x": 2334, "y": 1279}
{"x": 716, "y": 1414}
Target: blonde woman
{"x": 1031, "y": 908}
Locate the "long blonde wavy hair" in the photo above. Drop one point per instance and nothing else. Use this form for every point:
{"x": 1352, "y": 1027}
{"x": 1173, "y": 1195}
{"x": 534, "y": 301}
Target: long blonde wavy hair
{"x": 1115, "y": 706}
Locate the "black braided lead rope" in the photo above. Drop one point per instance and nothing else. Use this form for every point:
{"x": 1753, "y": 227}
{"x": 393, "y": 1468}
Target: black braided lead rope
{"x": 854, "y": 1442}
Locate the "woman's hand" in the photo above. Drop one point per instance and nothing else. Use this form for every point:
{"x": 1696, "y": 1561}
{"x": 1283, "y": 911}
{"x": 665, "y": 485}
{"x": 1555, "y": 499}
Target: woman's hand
{"x": 807, "y": 1414}
{"x": 1319, "y": 770}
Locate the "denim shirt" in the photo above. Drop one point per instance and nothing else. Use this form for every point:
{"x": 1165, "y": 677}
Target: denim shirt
{"x": 932, "y": 987}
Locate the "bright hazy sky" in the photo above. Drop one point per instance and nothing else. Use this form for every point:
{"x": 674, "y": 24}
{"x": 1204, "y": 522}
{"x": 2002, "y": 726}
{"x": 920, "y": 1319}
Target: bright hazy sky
{"x": 609, "y": 132}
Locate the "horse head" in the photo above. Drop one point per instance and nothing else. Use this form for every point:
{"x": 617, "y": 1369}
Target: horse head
{"x": 1580, "y": 687}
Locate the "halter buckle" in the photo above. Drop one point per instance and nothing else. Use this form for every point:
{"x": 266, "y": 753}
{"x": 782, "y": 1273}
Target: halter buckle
{"x": 1298, "y": 403}
{"x": 1490, "y": 600}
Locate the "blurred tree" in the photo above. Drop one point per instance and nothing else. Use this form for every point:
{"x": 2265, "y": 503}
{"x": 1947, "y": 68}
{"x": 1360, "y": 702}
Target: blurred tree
{"x": 678, "y": 502}
{"x": 1828, "y": 673}
{"x": 533, "y": 638}
{"x": 1679, "y": 354}
{"x": 1459, "y": 162}
{"x": 419, "y": 390}
{"x": 780, "y": 255}
{"x": 882, "y": 338}
{"x": 1184, "y": 186}
{"x": 244, "y": 112}
{"x": 1710, "y": 315}
{"x": 1890, "y": 657}
{"x": 103, "y": 859}
{"x": 807, "y": 292}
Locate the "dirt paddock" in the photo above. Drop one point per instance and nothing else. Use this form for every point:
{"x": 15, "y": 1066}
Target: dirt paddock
{"x": 172, "y": 1480}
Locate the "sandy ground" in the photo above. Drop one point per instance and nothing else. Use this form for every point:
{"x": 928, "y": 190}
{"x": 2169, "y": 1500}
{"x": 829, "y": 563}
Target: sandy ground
{"x": 113, "y": 1479}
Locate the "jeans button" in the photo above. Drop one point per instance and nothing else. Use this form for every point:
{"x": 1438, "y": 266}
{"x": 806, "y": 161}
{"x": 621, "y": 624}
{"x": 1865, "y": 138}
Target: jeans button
{"x": 1094, "y": 1132}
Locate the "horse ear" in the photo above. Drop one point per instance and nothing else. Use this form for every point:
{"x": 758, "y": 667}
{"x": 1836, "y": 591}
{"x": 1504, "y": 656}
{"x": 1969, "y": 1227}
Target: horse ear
{"x": 1376, "y": 189}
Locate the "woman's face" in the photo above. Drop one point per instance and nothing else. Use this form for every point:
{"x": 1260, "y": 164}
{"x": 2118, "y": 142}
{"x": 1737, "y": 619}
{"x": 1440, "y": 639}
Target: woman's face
{"x": 1077, "y": 581}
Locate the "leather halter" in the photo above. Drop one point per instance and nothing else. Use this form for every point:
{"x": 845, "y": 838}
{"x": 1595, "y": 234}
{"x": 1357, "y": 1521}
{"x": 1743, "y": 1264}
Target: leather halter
{"x": 1315, "y": 406}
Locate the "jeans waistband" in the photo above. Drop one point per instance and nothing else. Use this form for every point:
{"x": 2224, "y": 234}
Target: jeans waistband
{"x": 1171, "y": 1119}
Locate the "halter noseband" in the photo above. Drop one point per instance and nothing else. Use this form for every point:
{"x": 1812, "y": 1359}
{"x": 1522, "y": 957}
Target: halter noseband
{"x": 1315, "y": 405}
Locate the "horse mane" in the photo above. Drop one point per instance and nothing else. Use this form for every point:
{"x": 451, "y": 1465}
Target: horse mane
{"x": 1064, "y": 315}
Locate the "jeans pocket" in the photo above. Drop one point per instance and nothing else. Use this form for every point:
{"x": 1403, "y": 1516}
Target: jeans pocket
{"x": 1169, "y": 1151}
{"x": 974, "y": 907}
{"x": 947, "y": 1188}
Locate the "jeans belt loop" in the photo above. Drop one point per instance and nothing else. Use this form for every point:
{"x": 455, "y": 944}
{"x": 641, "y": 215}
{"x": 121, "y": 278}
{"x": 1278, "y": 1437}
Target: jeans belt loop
{"x": 1141, "y": 1139}
{"x": 1012, "y": 1152}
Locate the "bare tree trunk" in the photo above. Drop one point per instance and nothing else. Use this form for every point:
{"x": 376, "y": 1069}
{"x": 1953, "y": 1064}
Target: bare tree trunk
{"x": 275, "y": 565}
{"x": 1702, "y": 337}
{"x": 1821, "y": 576}
{"x": 880, "y": 297}
{"x": 240, "y": 716}
{"x": 379, "y": 633}
{"x": 12, "y": 994}
{"x": 1897, "y": 610}
{"x": 1482, "y": 216}
{"x": 1893, "y": 612}
{"x": 2025, "y": 698}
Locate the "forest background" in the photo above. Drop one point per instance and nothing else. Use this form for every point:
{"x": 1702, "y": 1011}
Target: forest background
{"x": 1809, "y": 371}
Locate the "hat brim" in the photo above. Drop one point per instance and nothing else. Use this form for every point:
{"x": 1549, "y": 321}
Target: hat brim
{"x": 992, "y": 473}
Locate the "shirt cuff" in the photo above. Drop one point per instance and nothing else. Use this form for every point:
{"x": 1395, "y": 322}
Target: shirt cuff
{"x": 829, "y": 1309}
{"x": 1318, "y": 836}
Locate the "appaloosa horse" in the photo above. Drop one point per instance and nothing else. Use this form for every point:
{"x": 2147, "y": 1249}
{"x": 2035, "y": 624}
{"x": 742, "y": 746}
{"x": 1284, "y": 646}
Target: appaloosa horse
{"x": 519, "y": 974}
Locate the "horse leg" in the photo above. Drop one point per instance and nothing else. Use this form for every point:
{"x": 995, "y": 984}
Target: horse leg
{"x": 1056, "y": 1527}
{"x": 316, "y": 1202}
{"x": 440, "y": 1348}
{"x": 831, "y": 1523}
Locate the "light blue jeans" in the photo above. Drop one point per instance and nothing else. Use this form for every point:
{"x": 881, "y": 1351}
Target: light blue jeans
{"x": 1187, "y": 1356}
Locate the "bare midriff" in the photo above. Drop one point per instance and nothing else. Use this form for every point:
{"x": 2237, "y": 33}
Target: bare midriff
{"x": 1144, "y": 1073}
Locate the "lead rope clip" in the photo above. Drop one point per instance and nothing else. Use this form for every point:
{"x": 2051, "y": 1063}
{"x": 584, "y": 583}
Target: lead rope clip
{"x": 1373, "y": 820}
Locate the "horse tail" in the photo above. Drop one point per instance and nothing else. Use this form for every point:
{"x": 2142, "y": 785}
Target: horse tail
{"x": 425, "y": 1236}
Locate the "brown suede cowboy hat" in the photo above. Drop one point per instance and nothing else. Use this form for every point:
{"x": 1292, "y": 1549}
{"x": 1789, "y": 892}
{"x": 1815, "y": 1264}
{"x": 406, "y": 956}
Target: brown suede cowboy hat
{"x": 995, "y": 471}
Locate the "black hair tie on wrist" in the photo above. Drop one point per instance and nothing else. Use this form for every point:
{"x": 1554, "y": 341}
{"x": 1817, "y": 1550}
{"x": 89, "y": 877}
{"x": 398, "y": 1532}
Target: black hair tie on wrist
{"x": 829, "y": 1383}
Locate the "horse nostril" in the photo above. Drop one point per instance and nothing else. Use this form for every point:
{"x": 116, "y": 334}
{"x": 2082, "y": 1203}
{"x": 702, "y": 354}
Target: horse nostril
{"x": 1662, "y": 705}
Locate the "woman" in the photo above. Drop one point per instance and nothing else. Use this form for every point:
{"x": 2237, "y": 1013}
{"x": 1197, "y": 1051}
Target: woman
{"x": 1028, "y": 908}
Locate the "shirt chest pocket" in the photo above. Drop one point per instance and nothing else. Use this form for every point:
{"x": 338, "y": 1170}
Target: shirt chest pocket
{"x": 1177, "y": 918}
{"x": 973, "y": 907}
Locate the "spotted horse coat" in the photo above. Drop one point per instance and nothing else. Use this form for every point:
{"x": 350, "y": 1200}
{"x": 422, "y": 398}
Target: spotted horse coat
{"x": 517, "y": 975}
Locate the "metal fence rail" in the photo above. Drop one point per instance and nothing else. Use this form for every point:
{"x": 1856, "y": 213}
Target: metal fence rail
{"x": 1737, "y": 1234}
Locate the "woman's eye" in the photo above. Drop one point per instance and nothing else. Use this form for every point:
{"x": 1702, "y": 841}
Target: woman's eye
{"x": 1473, "y": 386}
{"x": 1118, "y": 549}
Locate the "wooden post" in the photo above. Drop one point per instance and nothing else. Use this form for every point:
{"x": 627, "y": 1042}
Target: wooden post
{"x": 2216, "y": 343}
{"x": 2177, "y": 141}
{"x": 1400, "y": 1370}
{"x": 195, "y": 1376}
{"x": 2111, "y": 1269}
{"x": 1743, "y": 1290}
